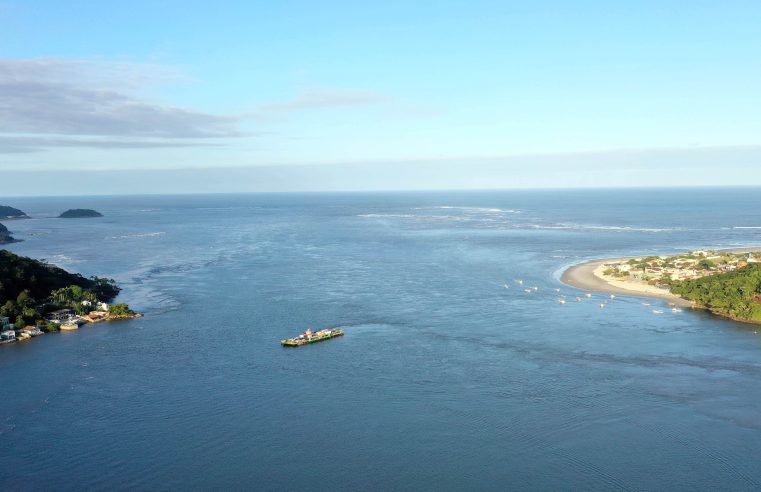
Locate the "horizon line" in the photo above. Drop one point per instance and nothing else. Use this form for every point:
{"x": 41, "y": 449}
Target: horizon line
{"x": 390, "y": 191}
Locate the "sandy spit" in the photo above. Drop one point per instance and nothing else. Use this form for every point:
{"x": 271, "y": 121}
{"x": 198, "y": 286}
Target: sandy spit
{"x": 588, "y": 276}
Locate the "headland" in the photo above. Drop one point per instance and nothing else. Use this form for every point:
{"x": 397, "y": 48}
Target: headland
{"x": 726, "y": 282}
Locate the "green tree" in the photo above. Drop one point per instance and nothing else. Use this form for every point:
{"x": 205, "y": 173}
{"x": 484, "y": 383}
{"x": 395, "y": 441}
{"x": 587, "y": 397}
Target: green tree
{"x": 706, "y": 264}
{"x": 120, "y": 310}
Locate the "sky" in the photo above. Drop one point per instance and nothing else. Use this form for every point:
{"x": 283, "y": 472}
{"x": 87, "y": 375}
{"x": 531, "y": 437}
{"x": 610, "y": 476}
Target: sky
{"x": 189, "y": 96}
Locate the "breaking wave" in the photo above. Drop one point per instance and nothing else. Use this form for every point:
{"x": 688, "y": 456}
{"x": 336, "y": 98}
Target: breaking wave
{"x": 138, "y": 235}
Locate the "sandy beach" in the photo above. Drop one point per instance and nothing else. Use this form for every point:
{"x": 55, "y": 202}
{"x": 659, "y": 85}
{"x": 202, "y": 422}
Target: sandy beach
{"x": 588, "y": 276}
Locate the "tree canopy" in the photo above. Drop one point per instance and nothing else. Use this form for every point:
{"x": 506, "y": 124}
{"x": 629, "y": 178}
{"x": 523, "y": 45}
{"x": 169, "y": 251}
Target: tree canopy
{"x": 28, "y": 286}
{"x": 736, "y": 293}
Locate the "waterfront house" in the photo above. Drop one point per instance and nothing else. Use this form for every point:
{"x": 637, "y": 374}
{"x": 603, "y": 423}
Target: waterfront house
{"x": 8, "y": 335}
{"x": 61, "y": 315}
{"x": 102, "y": 306}
{"x": 32, "y": 331}
{"x": 4, "y": 321}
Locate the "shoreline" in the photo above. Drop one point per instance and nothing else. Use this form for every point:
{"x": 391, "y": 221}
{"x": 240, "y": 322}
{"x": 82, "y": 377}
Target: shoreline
{"x": 584, "y": 276}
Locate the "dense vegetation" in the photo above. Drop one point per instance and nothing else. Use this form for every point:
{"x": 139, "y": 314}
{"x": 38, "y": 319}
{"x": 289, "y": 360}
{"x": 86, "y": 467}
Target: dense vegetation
{"x": 120, "y": 310}
{"x": 5, "y": 235}
{"x": 7, "y": 212}
{"x": 29, "y": 288}
{"x": 736, "y": 293}
{"x": 79, "y": 213}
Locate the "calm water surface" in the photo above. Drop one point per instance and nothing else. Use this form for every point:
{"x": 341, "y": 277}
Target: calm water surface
{"x": 445, "y": 379}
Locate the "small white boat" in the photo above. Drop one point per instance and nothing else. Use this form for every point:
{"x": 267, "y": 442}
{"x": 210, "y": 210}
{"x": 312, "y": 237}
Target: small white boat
{"x": 602, "y": 305}
{"x": 612, "y": 296}
{"x": 557, "y": 290}
{"x": 676, "y": 310}
{"x": 535, "y": 288}
{"x": 588, "y": 294}
{"x": 561, "y": 301}
{"x": 645, "y": 303}
{"x": 519, "y": 282}
{"x": 657, "y": 311}
{"x": 505, "y": 286}
{"x": 578, "y": 299}
{"x": 528, "y": 291}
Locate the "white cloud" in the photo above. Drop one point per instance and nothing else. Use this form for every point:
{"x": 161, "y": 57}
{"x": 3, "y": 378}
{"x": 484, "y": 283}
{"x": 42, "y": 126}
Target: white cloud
{"x": 58, "y": 102}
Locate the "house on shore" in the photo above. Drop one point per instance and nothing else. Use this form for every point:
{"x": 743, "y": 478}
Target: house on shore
{"x": 8, "y": 336}
{"x": 32, "y": 331}
{"x": 61, "y": 315}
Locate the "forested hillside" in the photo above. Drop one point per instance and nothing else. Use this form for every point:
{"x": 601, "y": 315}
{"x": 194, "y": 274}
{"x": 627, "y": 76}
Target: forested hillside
{"x": 27, "y": 287}
{"x": 736, "y": 293}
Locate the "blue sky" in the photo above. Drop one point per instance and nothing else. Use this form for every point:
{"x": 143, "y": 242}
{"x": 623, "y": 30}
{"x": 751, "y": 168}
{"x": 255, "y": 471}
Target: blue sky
{"x": 439, "y": 94}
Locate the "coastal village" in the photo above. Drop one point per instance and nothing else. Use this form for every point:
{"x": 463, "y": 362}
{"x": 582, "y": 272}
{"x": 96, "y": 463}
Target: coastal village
{"x": 661, "y": 271}
{"x": 64, "y": 320}
{"x": 66, "y": 301}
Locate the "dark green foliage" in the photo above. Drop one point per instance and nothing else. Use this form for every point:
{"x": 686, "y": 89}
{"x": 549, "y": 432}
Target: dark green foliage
{"x": 706, "y": 264}
{"x": 79, "y": 213}
{"x": 18, "y": 273}
{"x": 25, "y": 282}
{"x": 7, "y": 212}
{"x": 120, "y": 310}
{"x": 49, "y": 326}
{"x": 736, "y": 293}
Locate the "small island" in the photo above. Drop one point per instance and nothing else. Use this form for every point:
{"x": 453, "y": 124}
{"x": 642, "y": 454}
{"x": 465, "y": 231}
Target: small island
{"x": 5, "y": 235}
{"x": 727, "y": 283}
{"x": 79, "y": 213}
{"x": 7, "y": 212}
{"x": 37, "y": 298}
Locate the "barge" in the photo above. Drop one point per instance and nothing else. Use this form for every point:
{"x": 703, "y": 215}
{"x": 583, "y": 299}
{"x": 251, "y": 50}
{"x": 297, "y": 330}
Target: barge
{"x": 311, "y": 337}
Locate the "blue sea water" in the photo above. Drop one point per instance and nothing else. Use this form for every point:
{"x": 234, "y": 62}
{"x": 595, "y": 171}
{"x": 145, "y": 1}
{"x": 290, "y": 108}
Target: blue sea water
{"x": 445, "y": 380}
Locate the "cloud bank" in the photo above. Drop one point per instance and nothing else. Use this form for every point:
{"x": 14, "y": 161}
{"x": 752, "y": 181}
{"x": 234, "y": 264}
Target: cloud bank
{"x": 64, "y": 103}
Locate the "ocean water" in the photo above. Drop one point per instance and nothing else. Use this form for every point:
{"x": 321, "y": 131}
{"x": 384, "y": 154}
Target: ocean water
{"x": 445, "y": 380}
